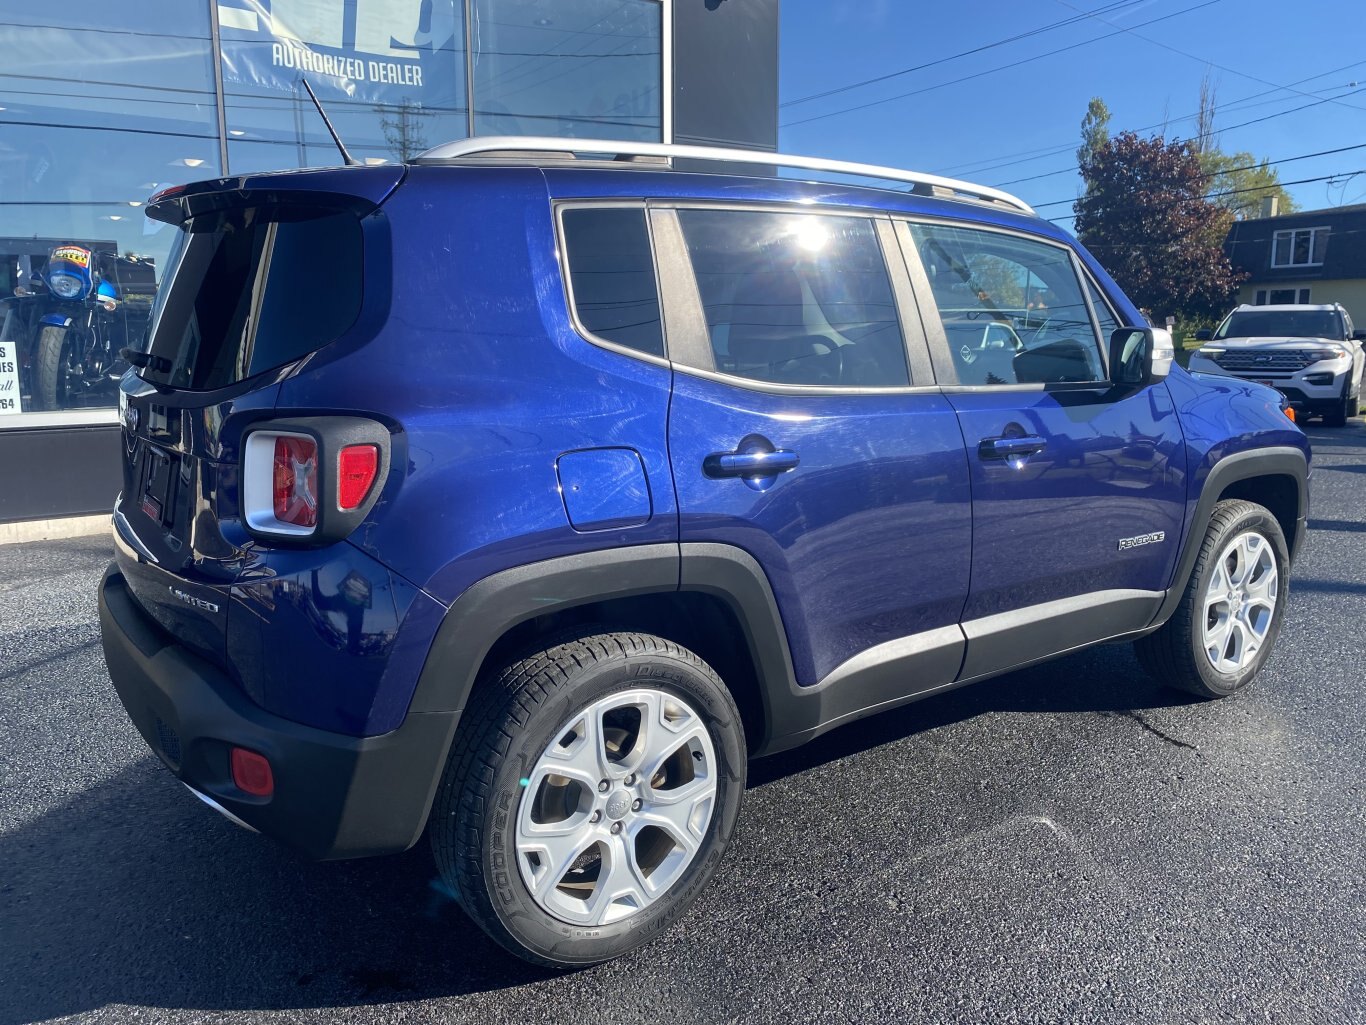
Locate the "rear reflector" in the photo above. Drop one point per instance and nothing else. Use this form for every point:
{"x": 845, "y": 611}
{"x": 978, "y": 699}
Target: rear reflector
{"x": 356, "y": 469}
{"x": 295, "y": 481}
{"x": 251, "y": 773}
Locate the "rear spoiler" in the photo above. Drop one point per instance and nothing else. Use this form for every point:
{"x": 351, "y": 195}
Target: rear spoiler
{"x": 360, "y": 189}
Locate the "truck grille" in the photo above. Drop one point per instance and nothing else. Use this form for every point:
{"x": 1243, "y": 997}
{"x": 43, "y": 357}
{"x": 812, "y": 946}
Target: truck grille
{"x": 1282, "y": 361}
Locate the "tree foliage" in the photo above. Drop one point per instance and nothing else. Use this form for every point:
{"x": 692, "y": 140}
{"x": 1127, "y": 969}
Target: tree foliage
{"x": 1239, "y": 182}
{"x": 1146, "y": 217}
{"x": 1095, "y": 129}
{"x": 1236, "y": 181}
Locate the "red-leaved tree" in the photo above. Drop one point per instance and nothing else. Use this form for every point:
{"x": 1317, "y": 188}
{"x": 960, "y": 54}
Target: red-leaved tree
{"x": 1145, "y": 217}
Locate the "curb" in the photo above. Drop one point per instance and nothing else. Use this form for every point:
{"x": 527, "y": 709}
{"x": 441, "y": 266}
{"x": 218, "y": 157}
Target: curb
{"x": 52, "y": 530}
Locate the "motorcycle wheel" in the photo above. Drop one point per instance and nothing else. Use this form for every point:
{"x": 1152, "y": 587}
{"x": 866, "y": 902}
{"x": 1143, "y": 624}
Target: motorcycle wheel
{"x": 49, "y": 366}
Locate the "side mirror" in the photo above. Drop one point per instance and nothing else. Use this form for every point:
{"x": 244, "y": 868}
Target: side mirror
{"x": 1359, "y": 336}
{"x": 1140, "y": 355}
{"x": 1204, "y": 335}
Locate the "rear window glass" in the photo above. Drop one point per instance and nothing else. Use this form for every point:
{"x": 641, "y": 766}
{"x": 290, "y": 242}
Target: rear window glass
{"x": 612, "y": 276}
{"x": 252, "y": 289}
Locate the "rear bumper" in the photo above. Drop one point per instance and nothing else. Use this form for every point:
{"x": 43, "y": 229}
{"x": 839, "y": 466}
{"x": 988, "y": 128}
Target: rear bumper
{"x": 336, "y": 796}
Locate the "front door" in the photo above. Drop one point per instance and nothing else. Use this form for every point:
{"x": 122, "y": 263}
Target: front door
{"x": 1078, "y": 487}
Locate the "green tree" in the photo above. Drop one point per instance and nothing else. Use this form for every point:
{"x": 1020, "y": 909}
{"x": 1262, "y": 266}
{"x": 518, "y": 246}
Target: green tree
{"x": 1147, "y": 218}
{"x": 1095, "y": 129}
{"x": 1236, "y": 181}
{"x": 1239, "y": 182}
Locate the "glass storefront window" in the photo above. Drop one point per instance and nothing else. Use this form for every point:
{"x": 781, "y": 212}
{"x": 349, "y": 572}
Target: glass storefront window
{"x": 590, "y": 69}
{"x": 390, "y": 73}
{"x": 103, "y": 104}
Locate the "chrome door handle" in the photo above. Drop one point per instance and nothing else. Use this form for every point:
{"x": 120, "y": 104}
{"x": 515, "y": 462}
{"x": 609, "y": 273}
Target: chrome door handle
{"x": 1010, "y": 448}
{"x": 749, "y": 464}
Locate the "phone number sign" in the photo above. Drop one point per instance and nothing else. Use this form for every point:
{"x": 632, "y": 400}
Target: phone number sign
{"x": 9, "y": 379}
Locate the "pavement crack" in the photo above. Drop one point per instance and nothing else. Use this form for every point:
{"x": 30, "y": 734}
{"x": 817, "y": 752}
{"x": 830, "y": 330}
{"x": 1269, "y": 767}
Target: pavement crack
{"x": 1159, "y": 734}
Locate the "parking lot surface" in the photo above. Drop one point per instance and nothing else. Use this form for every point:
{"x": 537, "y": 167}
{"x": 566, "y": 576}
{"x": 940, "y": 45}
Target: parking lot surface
{"x": 1068, "y": 843}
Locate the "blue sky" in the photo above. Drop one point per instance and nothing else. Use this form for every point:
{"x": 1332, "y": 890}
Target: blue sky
{"x": 1008, "y": 114}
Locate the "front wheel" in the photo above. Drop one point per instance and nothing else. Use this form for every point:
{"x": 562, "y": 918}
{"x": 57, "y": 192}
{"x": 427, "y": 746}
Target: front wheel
{"x": 50, "y": 370}
{"x": 589, "y": 796}
{"x": 1230, "y": 615}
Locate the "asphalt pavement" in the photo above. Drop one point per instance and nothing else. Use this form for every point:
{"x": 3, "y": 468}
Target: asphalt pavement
{"x": 1070, "y": 843}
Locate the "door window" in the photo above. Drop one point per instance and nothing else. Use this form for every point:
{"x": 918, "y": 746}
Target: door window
{"x": 796, "y": 298}
{"x": 612, "y": 276}
{"x": 1013, "y": 309}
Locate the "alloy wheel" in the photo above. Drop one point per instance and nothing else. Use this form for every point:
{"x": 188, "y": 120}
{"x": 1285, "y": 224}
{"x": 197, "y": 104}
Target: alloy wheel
{"x": 1240, "y": 603}
{"x": 616, "y": 807}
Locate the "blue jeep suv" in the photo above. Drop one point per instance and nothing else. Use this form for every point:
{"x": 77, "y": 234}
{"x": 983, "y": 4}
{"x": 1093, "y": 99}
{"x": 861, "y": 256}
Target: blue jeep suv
{"x": 519, "y": 494}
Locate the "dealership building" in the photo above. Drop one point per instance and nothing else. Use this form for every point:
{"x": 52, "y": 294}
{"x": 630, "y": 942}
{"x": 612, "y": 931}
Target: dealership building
{"x": 104, "y": 104}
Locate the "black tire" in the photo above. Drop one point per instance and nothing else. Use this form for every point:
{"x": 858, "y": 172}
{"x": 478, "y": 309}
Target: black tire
{"x": 512, "y": 718}
{"x": 1346, "y": 408}
{"x": 49, "y": 391}
{"x": 1174, "y": 655}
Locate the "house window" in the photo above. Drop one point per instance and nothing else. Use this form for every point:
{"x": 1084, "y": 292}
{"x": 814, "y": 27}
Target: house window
{"x": 1299, "y": 247}
{"x": 1304, "y": 297}
{"x": 1282, "y": 296}
{"x": 1261, "y": 298}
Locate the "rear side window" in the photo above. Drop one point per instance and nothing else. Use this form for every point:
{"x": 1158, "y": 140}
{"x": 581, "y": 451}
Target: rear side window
{"x": 796, "y": 298}
{"x": 612, "y": 276}
{"x": 252, "y": 289}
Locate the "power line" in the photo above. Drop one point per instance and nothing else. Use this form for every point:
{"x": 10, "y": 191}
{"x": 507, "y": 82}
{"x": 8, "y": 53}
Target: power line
{"x": 1268, "y": 117}
{"x": 1082, "y": 16}
{"x": 1206, "y": 61}
{"x": 1228, "y": 192}
{"x": 992, "y": 71}
{"x": 1029, "y": 155}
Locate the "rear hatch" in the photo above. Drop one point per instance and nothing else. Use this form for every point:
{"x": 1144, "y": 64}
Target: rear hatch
{"x": 265, "y": 271}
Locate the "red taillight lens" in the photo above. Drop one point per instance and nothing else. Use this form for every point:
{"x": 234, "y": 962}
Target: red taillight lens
{"x": 295, "y": 481}
{"x": 251, "y": 773}
{"x": 356, "y": 469}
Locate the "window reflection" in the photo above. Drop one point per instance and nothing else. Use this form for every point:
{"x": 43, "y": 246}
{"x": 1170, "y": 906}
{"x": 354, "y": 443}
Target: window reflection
{"x": 588, "y": 69}
{"x": 103, "y": 104}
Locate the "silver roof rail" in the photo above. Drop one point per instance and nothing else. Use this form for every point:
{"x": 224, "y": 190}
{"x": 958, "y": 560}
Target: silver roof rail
{"x": 518, "y": 146}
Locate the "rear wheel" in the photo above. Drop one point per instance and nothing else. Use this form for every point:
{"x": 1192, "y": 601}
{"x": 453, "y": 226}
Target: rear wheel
{"x": 50, "y": 370}
{"x": 1228, "y": 620}
{"x": 590, "y": 796}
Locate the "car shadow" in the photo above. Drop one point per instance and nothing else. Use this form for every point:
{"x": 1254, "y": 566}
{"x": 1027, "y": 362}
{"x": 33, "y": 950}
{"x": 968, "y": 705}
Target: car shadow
{"x": 130, "y": 892}
{"x": 1106, "y": 681}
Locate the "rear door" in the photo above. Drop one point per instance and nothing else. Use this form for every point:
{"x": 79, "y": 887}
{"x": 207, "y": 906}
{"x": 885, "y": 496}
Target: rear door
{"x": 1078, "y": 487}
{"x": 256, "y": 280}
{"x": 805, "y": 429}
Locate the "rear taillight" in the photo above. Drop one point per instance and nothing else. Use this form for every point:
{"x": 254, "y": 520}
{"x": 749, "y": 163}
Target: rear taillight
{"x": 312, "y": 479}
{"x": 294, "y": 481}
{"x": 357, "y": 466}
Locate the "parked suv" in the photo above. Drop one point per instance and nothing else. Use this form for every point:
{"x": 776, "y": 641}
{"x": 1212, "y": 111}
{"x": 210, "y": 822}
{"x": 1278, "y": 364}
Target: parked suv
{"x": 1310, "y": 354}
{"x": 519, "y": 496}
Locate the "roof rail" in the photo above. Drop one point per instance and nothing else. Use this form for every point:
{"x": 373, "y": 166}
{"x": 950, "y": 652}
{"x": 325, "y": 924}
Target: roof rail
{"x": 530, "y": 145}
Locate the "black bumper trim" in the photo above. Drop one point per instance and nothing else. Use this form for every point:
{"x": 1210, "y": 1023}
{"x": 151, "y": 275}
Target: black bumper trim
{"x": 335, "y": 796}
